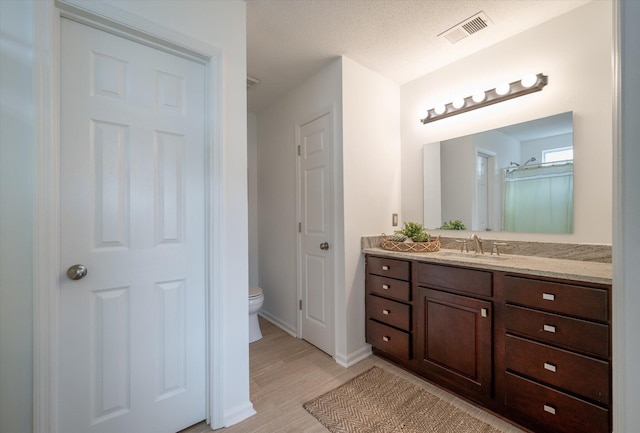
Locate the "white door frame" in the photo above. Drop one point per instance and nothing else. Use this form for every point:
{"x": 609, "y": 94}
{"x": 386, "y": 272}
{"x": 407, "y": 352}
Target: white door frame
{"x": 46, "y": 272}
{"x": 491, "y": 157}
{"x": 330, "y": 111}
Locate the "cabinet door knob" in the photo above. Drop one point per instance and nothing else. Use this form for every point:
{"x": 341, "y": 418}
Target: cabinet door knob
{"x": 484, "y": 312}
{"x": 550, "y": 409}
{"x": 385, "y": 338}
{"x": 385, "y": 286}
{"x": 386, "y": 312}
{"x": 549, "y": 366}
{"x": 385, "y": 268}
{"x": 549, "y": 328}
{"x": 548, "y": 296}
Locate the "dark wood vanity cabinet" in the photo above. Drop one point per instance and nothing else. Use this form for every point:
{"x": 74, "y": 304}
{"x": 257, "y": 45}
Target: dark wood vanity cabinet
{"x": 535, "y": 350}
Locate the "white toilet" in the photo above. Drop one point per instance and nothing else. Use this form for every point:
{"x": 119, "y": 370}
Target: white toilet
{"x": 256, "y": 299}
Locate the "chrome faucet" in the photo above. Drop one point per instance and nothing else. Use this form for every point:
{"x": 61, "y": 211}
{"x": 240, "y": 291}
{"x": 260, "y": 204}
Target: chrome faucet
{"x": 478, "y": 242}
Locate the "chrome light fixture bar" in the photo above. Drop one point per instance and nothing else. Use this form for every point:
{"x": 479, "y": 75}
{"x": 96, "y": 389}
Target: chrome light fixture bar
{"x": 533, "y": 83}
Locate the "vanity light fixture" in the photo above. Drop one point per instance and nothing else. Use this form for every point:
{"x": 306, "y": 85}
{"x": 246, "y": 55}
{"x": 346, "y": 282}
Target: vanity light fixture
{"x": 529, "y": 84}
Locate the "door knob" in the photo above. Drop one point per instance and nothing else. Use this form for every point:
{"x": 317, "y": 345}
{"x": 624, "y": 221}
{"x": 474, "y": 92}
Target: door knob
{"x": 324, "y": 246}
{"x": 77, "y": 272}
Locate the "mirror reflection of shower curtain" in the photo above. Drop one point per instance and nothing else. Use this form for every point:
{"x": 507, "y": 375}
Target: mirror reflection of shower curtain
{"x": 539, "y": 199}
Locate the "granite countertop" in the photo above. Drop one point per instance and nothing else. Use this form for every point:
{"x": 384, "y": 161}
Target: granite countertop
{"x": 577, "y": 270}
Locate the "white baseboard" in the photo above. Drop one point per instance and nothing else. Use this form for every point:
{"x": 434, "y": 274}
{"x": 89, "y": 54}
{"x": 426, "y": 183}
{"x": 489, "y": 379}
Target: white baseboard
{"x": 238, "y": 414}
{"x": 342, "y": 360}
{"x": 354, "y": 357}
{"x": 284, "y": 326}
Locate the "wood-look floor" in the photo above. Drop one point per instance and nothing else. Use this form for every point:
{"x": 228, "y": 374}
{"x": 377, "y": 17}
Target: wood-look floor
{"x": 287, "y": 372}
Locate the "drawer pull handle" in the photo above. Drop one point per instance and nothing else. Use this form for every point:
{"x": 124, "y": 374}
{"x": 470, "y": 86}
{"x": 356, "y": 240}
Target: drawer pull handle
{"x": 550, "y": 409}
{"x": 385, "y": 287}
{"x": 385, "y": 338}
{"x": 386, "y": 312}
{"x": 550, "y": 367}
{"x": 549, "y": 328}
{"x": 385, "y": 268}
{"x": 548, "y": 296}
{"x": 483, "y": 312}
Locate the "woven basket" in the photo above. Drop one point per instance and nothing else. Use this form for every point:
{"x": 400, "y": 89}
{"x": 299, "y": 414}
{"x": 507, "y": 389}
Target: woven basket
{"x": 410, "y": 247}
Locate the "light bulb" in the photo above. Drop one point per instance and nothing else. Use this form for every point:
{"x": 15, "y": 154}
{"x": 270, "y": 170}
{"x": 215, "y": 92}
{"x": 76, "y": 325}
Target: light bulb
{"x": 503, "y": 89}
{"x": 529, "y": 80}
{"x": 479, "y": 96}
{"x": 458, "y": 102}
{"x": 440, "y": 109}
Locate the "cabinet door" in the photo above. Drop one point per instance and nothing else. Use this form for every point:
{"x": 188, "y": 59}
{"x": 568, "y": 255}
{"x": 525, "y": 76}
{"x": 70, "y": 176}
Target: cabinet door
{"x": 454, "y": 340}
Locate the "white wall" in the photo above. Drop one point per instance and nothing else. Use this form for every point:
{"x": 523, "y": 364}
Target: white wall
{"x": 277, "y": 225}
{"x": 432, "y": 186}
{"x": 458, "y": 175}
{"x": 574, "y": 50}
{"x": 371, "y": 164}
{"x": 17, "y": 173}
{"x": 220, "y": 24}
{"x": 626, "y": 248}
{"x": 252, "y": 176}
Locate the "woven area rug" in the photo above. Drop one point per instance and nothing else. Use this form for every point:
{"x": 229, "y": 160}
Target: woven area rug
{"x": 381, "y": 402}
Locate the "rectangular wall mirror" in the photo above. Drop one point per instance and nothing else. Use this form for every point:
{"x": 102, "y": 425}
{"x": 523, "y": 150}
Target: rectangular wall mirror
{"x": 518, "y": 178}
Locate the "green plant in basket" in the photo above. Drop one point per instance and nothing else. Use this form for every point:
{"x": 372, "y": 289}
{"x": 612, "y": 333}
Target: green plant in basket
{"x": 414, "y": 231}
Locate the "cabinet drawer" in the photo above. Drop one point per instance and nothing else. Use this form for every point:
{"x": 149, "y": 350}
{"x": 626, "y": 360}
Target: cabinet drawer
{"x": 573, "y": 300}
{"x": 388, "y": 287}
{"x": 389, "y": 312}
{"x": 388, "y": 339}
{"x": 571, "y": 333}
{"x": 554, "y": 409}
{"x": 398, "y": 269}
{"x": 457, "y": 279}
{"x": 575, "y": 373}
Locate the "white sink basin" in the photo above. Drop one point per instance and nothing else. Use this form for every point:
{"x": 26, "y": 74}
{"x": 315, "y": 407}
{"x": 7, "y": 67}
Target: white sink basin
{"x": 473, "y": 256}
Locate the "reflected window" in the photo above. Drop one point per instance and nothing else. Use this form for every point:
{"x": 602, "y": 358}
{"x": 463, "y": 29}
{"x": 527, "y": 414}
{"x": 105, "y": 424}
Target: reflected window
{"x": 557, "y": 155}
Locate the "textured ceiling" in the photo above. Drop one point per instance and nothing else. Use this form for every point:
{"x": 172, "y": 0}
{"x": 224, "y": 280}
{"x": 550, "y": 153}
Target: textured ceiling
{"x": 288, "y": 40}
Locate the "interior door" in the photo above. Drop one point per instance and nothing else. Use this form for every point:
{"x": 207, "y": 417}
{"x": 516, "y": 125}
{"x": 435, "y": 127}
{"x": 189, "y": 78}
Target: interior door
{"x": 316, "y": 232}
{"x": 132, "y": 330}
{"x": 482, "y": 192}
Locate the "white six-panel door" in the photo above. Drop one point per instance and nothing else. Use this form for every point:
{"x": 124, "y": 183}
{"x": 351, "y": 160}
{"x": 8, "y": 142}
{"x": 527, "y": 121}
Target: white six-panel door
{"x": 482, "y": 192}
{"x": 316, "y": 232}
{"x": 132, "y": 331}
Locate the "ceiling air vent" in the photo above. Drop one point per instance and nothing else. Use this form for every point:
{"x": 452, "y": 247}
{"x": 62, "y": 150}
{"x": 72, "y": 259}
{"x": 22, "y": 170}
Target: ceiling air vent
{"x": 467, "y": 27}
{"x": 251, "y": 82}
